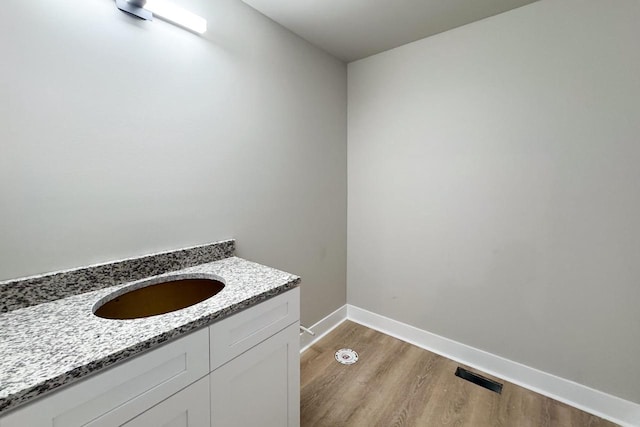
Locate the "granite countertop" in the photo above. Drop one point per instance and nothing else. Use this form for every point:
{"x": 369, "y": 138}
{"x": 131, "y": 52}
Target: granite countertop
{"x": 45, "y": 346}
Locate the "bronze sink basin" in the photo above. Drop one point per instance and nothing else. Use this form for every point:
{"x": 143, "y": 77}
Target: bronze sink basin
{"x": 159, "y": 298}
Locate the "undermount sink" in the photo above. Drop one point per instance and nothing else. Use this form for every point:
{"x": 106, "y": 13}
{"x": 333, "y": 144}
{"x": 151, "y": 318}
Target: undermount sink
{"x": 157, "y": 298}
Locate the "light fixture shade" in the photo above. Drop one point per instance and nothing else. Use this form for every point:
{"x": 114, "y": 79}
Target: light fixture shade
{"x": 179, "y": 16}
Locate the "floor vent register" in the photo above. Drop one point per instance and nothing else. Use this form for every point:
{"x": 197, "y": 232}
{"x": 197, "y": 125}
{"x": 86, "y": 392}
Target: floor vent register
{"x": 479, "y": 380}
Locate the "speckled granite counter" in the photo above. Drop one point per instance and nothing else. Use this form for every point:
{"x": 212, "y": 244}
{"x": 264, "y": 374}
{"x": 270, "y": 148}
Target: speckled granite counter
{"x": 45, "y": 346}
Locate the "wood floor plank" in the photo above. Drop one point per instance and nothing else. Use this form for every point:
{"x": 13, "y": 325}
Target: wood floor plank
{"x": 395, "y": 384}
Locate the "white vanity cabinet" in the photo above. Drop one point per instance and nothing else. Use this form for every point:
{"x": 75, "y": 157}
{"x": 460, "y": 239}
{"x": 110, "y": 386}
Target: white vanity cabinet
{"x": 240, "y": 371}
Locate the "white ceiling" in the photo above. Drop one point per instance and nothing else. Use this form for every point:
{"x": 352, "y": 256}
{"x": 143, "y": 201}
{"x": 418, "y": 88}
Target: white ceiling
{"x": 354, "y": 29}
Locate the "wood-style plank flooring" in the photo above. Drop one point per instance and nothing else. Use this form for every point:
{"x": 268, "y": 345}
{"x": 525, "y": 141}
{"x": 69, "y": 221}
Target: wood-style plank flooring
{"x": 397, "y": 384}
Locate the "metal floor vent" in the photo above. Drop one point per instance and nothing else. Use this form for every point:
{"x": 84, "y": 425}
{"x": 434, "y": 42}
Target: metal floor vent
{"x": 479, "y": 380}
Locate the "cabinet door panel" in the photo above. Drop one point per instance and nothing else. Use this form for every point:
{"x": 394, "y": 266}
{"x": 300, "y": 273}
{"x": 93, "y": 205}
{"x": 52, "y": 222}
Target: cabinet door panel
{"x": 261, "y": 387}
{"x": 187, "y": 408}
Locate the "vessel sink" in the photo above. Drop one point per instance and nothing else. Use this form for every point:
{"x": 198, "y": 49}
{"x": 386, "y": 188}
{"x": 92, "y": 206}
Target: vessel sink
{"x": 157, "y": 298}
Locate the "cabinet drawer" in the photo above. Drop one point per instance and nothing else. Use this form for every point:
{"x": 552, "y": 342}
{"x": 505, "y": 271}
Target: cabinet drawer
{"x": 118, "y": 394}
{"x": 238, "y": 333}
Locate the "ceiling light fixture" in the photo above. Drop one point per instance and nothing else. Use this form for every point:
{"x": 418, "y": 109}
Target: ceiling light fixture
{"x": 147, "y": 9}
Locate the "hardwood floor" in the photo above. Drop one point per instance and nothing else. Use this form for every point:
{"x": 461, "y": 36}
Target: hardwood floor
{"x": 397, "y": 384}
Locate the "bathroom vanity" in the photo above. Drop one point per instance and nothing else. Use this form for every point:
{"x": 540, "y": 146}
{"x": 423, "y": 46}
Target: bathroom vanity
{"x": 231, "y": 360}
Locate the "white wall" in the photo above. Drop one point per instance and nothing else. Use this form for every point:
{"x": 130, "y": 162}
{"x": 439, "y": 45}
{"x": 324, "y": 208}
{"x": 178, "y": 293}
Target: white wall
{"x": 494, "y": 195}
{"x": 121, "y": 137}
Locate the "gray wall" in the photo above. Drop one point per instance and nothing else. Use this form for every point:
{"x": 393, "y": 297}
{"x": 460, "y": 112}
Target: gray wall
{"x": 494, "y": 188}
{"x": 121, "y": 137}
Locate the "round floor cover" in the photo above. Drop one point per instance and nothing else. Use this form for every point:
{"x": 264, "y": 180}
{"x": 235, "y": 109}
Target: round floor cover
{"x": 346, "y": 356}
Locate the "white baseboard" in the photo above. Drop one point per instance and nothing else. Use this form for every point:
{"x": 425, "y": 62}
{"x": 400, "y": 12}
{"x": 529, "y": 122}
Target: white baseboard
{"x": 595, "y": 402}
{"x": 323, "y": 327}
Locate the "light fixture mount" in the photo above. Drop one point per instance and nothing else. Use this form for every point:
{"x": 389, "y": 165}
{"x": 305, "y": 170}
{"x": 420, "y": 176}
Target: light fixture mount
{"x": 135, "y": 8}
{"x": 165, "y": 10}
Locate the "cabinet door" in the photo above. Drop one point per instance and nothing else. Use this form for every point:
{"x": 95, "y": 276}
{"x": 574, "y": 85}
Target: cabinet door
{"x": 187, "y": 408}
{"x": 261, "y": 387}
